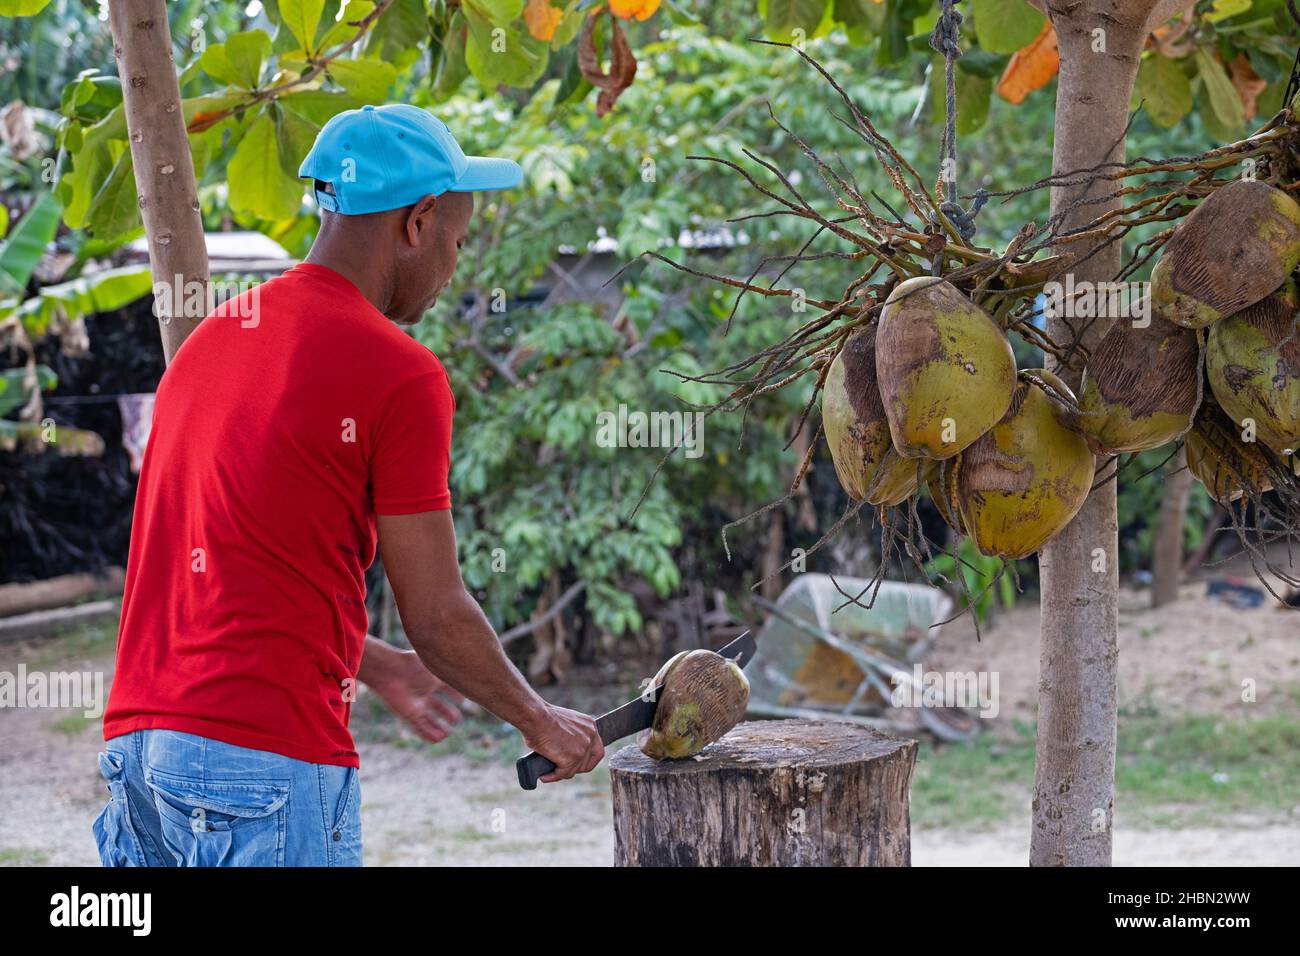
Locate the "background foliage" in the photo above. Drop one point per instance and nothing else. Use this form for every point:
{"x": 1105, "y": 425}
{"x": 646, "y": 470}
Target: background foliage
{"x": 259, "y": 80}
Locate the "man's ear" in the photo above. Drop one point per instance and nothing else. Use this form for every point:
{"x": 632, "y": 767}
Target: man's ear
{"x": 419, "y": 220}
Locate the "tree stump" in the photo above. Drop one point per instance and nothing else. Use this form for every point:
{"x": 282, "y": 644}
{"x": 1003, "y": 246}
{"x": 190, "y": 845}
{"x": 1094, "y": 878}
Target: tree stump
{"x": 769, "y": 793}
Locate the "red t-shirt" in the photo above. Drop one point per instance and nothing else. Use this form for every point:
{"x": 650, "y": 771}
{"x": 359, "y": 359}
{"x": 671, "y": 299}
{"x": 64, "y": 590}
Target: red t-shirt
{"x": 288, "y": 420}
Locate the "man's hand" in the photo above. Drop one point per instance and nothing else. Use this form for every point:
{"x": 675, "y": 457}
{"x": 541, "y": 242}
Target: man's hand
{"x": 569, "y": 740}
{"x": 402, "y": 682}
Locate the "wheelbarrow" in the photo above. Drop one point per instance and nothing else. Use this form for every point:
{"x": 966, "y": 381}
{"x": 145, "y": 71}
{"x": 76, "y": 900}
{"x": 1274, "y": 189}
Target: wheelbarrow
{"x": 820, "y": 654}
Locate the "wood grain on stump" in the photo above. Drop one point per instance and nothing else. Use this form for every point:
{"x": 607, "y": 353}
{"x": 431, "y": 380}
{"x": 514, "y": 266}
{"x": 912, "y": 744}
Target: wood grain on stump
{"x": 770, "y": 793}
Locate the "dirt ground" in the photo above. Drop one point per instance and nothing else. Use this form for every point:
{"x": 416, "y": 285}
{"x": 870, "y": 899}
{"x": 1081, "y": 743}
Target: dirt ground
{"x": 420, "y": 808}
{"x": 1192, "y": 656}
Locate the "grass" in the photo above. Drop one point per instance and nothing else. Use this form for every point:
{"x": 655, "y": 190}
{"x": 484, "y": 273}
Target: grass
{"x": 1170, "y": 771}
{"x": 74, "y": 724}
{"x": 23, "y": 856}
{"x": 85, "y": 641}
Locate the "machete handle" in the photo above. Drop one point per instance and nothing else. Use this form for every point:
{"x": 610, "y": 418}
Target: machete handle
{"x": 531, "y": 767}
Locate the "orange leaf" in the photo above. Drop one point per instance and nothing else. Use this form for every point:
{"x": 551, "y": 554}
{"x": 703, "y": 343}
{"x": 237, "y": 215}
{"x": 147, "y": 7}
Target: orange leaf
{"x": 1031, "y": 67}
{"x": 204, "y": 121}
{"x": 1248, "y": 84}
{"x": 542, "y": 19}
{"x": 627, "y": 9}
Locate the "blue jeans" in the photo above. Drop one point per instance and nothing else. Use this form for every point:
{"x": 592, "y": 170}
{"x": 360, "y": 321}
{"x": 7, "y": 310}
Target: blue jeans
{"x": 180, "y": 800}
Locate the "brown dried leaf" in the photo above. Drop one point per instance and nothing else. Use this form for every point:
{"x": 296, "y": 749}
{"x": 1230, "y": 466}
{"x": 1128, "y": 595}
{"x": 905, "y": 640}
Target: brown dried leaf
{"x": 622, "y": 64}
{"x": 1248, "y": 84}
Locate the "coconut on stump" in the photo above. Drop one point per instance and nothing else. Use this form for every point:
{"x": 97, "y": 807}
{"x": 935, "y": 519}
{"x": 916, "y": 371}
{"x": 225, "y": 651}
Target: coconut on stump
{"x": 769, "y": 793}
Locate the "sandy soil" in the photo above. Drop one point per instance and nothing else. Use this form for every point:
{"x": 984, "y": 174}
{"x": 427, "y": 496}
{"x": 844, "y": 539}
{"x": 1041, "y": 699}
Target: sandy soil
{"x": 420, "y": 808}
{"x": 1192, "y": 656}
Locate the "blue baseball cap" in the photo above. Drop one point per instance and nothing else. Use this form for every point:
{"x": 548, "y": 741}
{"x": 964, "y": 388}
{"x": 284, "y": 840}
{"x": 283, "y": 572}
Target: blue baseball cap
{"x": 386, "y": 157}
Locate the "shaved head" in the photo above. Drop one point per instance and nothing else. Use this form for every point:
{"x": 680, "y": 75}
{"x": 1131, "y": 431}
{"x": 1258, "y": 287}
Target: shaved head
{"x": 400, "y": 259}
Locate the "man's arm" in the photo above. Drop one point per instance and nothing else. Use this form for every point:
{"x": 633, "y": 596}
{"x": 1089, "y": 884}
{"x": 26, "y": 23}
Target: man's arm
{"x": 411, "y": 690}
{"x": 449, "y": 631}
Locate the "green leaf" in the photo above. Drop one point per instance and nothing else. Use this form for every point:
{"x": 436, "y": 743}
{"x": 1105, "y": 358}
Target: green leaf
{"x": 85, "y": 295}
{"x": 862, "y": 19}
{"x": 317, "y": 106}
{"x": 4, "y": 220}
{"x": 294, "y": 137}
{"x": 784, "y": 17}
{"x": 22, "y": 8}
{"x": 342, "y": 30}
{"x": 1164, "y": 90}
{"x": 683, "y": 18}
{"x": 502, "y": 55}
{"x": 90, "y": 98}
{"x": 22, "y": 250}
{"x": 367, "y": 80}
{"x": 246, "y": 52}
{"x": 497, "y": 12}
{"x": 973, "y": 95}
{"x": 982, "y": 63}
{"x": 216, "y": 63}
{"x": 452, "y": 69}
{"x": 77, "y": 187}
{"x": 259, "y": 186}
{"x": 115, "y": 210}
{"x": 402, "y": 26}
{"x": 1224, "y": 9}
{"x": 13, "y": 386}
{"x": 1225, "y": 104}
{"x": 302, "y": 17}
{"x": 1004, "y": 26}
{"x": 568, "y": 28}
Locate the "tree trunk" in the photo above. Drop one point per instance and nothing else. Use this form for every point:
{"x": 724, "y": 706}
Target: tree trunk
{"x": 1167, "y": 546}
{"x": 1074, "y": 773}
{"x": 164, "y": 169}
{"x": 770, "y": 793}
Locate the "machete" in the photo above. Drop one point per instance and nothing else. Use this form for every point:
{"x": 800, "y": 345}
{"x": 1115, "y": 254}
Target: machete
{"x": 635, "y": 715}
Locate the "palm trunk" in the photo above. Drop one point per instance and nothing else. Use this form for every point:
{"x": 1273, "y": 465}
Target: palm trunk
{"x": 1167, "y": 546}
{"x": 1074, "y": 774}
{"x": 164, "y": 169}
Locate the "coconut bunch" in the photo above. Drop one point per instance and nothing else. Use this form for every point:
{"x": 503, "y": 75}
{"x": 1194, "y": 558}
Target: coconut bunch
{"x": 930, "y": 394}
{"x": 1223, "y": 294}
{"x": 918, "y": 386}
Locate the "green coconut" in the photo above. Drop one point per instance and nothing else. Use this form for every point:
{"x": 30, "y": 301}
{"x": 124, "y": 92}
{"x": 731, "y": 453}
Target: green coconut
{"x": 704, "y": 695}
{"x": 857, "y": 430}
{"x": 946, "y": 371}
{"x": 1252, "y": 361}
{"x": 1236, "y": 247}
{"x": 1023, "y": 481}
{"x": 1139, "y": 389}
{"x": 1218, "y": 458}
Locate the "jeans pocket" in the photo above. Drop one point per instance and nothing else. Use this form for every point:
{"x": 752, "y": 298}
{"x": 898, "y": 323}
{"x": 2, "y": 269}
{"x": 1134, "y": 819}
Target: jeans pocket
{"x": 115, "y": 836}
{"x": 345, "y": 832}
{"x": 220, "y": 823}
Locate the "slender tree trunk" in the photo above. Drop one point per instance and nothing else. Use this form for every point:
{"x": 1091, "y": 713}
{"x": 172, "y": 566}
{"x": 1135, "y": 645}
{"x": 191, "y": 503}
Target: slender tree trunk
{"x": 1074, "y": 776}
{"x": 1167, "y": 547}
{"x": 164, "y": 169}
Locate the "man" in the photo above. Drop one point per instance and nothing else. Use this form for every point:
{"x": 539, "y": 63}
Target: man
{"x": 292, "y": 430}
